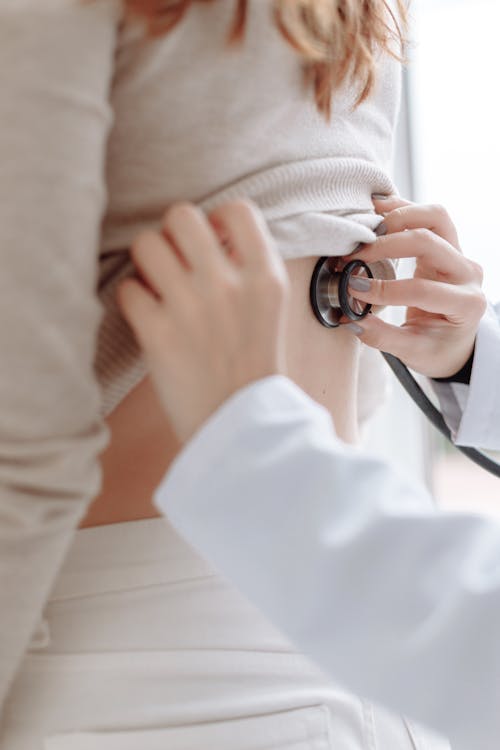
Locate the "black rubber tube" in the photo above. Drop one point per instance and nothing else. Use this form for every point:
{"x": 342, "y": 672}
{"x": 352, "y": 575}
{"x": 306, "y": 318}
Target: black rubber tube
{"x": 434, "y": 415}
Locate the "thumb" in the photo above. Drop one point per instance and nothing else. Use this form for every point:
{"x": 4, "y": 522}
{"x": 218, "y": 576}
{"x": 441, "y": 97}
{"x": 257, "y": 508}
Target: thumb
{"x": 376, "y": 333}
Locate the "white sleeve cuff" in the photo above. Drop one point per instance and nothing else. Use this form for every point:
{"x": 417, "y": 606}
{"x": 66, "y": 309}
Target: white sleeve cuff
{"x": 473, "y": 412}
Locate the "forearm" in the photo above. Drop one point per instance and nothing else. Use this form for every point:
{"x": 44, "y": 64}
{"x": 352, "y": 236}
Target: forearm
{"x": 347, "y": 558}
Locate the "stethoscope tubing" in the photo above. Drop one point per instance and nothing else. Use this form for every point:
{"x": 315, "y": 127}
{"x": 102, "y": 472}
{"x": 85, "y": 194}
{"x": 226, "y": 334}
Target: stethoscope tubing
{"x": 434, "y": 416}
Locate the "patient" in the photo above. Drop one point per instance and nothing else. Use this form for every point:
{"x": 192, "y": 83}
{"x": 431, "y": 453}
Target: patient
{"x": 311, "y": 166}
{"x": 138, "y": 635}
{"x": 323, "y": 362}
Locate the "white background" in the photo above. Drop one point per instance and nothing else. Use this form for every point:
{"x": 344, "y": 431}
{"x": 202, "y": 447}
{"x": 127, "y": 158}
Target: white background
{"x": 455, "y": 107}
{"x": 448, "y": 152}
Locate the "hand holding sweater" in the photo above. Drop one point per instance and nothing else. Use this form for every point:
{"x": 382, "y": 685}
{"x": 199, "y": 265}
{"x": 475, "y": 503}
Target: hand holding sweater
{"x": 213, "y": 317}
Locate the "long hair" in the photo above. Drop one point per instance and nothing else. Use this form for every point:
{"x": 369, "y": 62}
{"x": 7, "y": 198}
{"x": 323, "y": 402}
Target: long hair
{"x": 338, "y": 40}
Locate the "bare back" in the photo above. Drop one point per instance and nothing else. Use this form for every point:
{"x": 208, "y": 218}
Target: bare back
{"x": 142, "y": 445}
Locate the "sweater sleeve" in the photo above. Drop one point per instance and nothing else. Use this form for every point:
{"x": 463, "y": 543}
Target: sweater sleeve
{"x": 56, "y": 59}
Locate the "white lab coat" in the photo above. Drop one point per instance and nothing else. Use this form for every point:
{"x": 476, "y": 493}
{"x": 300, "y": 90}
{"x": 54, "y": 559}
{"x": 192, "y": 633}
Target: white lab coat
{"x": 473, "y": 412}
{"x": 395, "y": 600}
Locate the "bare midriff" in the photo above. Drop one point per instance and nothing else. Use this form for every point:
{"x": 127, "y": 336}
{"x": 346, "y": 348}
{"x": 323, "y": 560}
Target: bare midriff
{"x": 142, "y": 445}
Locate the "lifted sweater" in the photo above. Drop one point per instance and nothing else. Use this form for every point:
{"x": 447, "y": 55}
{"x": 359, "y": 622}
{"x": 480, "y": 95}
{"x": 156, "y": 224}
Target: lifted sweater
{"x": 100, "y": 130}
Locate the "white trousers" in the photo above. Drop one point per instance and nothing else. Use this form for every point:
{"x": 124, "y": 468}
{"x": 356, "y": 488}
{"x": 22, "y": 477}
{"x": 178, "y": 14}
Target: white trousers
{"x": 144, "y": 647}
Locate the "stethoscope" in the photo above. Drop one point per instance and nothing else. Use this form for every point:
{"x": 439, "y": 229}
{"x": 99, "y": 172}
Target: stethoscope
{"x": 329, "y": 291}
{"x": 331, "y": 300}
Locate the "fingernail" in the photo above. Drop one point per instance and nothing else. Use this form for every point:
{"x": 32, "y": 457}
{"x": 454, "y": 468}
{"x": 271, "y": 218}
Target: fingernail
{"x": 360, "y": 283}
{"x": 379, "y": 197}
{"x": 381, "y": 230}
{"x": 357, "y": 330}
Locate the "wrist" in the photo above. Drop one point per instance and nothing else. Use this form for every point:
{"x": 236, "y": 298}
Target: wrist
{"x": 463, "y": 374}
{"x": 190, "y": 417}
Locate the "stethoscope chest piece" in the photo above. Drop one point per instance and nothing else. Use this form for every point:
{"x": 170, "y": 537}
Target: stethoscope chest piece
{"x": 329, "y": 291}
{"x": 331, "y": 299}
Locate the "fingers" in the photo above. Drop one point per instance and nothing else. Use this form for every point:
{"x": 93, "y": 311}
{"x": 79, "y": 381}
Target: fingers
{"x": 233, "y": 232}
{"x": 400, "y": 214}
{"x": 385, "y": 204}
{"x": 247, "y": 233}
{"x": 424, "y": 245}
{"x": 157, "y": 263}
{"x": 187, "y": 227}
{"x": 430, "y": 296}
{"x": 192, "y": 248}
{"x": 409, "y": 216}
{"x": 143, "y": 313}
{"x": 403, "y": 342}
{"x": 444, "y": 300}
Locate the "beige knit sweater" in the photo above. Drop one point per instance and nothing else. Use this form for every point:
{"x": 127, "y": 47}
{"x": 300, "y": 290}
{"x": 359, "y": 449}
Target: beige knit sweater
{"x": 99, "y": 132}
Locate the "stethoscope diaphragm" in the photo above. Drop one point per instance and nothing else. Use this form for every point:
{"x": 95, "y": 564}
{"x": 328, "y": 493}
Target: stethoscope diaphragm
{"x": 329, "y": 291}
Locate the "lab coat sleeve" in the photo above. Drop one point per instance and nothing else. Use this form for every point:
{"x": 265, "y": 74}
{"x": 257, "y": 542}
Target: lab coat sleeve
{"x": 348, "y": 558}
{"x": 472, "y": 412}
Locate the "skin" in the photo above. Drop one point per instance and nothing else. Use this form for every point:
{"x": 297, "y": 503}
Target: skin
{"x": 216, "y": 308}
{"x": 321, "y": 361}
{"x": 444, "y": 298}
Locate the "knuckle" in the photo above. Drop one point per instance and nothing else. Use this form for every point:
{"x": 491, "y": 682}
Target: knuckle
{"x": 179, "y": 211}
{"x": 477, "y": 271}
{"x": 143, "y": 241}
{"x": 423, "y": 235}
{"x": 439, "y": 211}
{"x": 229, "y": 285}
{"x": 480, "y": 304}
{"x": 240, "y": 207}
{"x": 398, "y": 216}
{"x": 245, "y": 205}
{"x": 380, "y": 289}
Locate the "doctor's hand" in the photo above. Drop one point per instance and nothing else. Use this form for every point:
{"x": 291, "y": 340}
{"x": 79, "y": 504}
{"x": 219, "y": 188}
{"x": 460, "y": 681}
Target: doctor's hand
{"x": 208, "y": 309}
{"x": 444, "y": 299}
